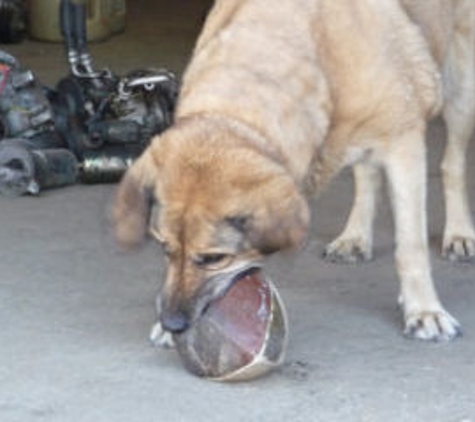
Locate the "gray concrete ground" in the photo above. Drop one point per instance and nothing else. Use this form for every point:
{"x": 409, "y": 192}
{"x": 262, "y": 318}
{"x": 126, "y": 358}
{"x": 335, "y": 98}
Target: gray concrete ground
{"x": 75, "y": 313}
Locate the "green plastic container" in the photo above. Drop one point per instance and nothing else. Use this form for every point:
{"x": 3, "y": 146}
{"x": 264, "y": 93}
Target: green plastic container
{"x": 104, "y": 18}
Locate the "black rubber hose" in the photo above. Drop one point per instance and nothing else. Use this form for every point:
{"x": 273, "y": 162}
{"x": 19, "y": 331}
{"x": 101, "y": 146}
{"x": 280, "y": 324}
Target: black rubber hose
{"x": 80, "y": 17}
{"x": 66, "y": 19}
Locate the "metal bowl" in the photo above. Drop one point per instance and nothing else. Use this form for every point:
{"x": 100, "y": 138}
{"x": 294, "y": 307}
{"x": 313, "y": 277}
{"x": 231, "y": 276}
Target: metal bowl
{"x": 241, "y": 336}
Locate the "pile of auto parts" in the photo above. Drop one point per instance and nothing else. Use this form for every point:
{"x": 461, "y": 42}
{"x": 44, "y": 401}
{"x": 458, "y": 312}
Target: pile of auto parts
{"x": 103, "y": 119}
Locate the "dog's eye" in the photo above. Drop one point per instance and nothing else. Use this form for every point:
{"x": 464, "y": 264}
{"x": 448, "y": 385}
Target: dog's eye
{"x": 212, "y": 260}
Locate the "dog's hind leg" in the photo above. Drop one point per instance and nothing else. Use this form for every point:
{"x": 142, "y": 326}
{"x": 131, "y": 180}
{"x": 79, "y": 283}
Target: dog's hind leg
{"x": 355, "y": 243}
{"x": 459, "y": 113}
{"x": 405, "y": 165}
{"x": 458, "y": 242}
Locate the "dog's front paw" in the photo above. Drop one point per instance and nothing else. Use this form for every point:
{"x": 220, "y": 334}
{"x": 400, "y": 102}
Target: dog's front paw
{"x": 432, "y": 326}
{"x": 459, "y": 248}
{"x": 161, "y": 338}
{"x": 348, "y": 250}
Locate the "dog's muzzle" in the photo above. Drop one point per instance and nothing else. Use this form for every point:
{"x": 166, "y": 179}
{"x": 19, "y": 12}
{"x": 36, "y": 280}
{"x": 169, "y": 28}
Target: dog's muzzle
{"x": 178, "y": 317}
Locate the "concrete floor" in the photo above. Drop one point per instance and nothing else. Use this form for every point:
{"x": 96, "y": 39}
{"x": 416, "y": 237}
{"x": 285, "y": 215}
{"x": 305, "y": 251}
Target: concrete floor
{"x": 75, "y": 313}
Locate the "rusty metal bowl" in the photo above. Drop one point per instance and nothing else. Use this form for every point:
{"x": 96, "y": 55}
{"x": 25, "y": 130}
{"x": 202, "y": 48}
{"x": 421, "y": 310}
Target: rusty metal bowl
{"x": 241, "y": 336}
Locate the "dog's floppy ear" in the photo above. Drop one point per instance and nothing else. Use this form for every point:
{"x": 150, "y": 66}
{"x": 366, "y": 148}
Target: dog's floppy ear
{"x": 279, "y": 222}
{"x": 134, "y": 200}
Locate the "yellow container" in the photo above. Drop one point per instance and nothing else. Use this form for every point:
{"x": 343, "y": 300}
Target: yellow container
{"x": 104, "y": 18}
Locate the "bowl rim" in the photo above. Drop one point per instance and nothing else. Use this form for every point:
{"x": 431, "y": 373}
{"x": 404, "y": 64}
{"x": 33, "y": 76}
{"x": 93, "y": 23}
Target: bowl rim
{"x": 260, "y": 365}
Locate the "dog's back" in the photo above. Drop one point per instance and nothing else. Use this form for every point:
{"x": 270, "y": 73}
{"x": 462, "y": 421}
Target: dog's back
{"x": 308, "y": 62}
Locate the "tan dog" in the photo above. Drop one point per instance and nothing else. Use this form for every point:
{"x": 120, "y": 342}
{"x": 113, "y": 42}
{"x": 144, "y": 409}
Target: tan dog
{"x": 276, "y": 100}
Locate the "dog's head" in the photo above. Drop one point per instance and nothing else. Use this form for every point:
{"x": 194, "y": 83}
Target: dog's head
{"x": 216, "y": 208}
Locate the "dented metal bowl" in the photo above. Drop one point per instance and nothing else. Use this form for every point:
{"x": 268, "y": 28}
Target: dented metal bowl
{"x": 241, "y": 336}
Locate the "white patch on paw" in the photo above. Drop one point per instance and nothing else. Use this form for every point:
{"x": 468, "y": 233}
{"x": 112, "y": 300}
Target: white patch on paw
{"x": 161, "y": 338}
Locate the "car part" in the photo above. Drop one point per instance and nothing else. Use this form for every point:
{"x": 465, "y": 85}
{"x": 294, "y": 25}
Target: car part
{"x": 96, "y": 108}
{"x": 24, "y": 169}
{"x": 25, "y": 111}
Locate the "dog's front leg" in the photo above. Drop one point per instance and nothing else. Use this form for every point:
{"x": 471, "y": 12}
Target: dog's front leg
{"x": 405, "y": 163}
{"x": 355, "y": 243}
{"x": 161, "y": 338}
{"x": 158, "y": 335}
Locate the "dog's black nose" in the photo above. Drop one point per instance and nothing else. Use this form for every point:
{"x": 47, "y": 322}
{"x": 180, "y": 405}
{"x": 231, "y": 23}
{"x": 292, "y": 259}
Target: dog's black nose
{"x": 175, "y": 322}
